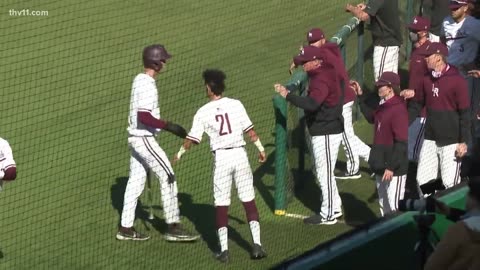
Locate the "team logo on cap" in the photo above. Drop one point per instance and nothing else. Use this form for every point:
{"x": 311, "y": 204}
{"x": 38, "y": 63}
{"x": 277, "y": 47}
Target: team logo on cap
{"x": 415, "y": 21}
{"x": 310, "y": 34}
{"x": 302, "y": 52}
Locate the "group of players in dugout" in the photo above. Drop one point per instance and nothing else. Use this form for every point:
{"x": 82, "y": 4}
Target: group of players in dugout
{"x": 433, "y": 122}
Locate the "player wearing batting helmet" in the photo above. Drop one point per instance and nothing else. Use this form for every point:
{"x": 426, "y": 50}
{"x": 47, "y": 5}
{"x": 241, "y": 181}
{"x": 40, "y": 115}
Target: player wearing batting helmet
{"x": 144, "y": 123}
{"x": 323, "y": 113}
{"x": 225, "y": 121}
{"x": 388, "y": 157}
{"x": 444, "y": 93}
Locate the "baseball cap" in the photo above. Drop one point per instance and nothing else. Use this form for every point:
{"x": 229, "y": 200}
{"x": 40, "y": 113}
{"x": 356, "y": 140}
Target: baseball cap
{"x": 455, "y": 4}
{"x": 419, "y": 24}
{"x": 388, "y": 78}
{"x": 435, "y": 48}
{"x": 314, "y": 35}
{"x": 308, "y": 53}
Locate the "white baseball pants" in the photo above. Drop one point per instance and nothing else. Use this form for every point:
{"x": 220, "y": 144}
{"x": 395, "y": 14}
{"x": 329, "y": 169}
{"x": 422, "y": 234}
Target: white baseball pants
{"x": 432, "y": 157}
{"x": 325, "y": 152}
{"x": 147, "y": 154}
{"x": 353, "y": 146}
{"x": 232, "y": 165}
{"x": 389, "y": 192}
{"x": 385, "y": 59}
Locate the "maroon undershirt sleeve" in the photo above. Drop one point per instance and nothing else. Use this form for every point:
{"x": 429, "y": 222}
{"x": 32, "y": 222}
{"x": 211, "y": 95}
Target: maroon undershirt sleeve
{"x": 147, "y": 118}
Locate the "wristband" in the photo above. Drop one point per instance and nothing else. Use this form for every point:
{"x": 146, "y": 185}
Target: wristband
{"x": 181, "y": 152}
{"x": 259, "y": 145}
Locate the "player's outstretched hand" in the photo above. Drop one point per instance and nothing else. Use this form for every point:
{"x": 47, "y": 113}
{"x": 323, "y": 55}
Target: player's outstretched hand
{"x": 387, "y": 175}
{"x": 176, "y": 129}
{"x": 281, "y": 89}
{"x": 356, "y": 87}
{"x": 461, "y": 150}
{"x": 407, "y": 93}
{"x": 262, "y": 157}
{"x": 474, "y": 73}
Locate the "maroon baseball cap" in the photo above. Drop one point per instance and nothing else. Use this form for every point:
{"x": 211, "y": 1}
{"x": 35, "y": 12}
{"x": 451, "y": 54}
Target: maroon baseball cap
{"x": 308, "y": 53}
{"x": 435, "y": 48}
{"x": 419, "y": 24}
{"x": 455, "y": 4}
{"x": 388, "y": 78}
{"x": 314, "y": 35}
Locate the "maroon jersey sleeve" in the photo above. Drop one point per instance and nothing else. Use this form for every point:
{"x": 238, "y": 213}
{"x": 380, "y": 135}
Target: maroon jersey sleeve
{"x": 462, "y": 99}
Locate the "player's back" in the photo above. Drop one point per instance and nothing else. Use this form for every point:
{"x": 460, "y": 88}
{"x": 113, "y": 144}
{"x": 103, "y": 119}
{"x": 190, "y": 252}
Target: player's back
{"x": 224, "y": 120}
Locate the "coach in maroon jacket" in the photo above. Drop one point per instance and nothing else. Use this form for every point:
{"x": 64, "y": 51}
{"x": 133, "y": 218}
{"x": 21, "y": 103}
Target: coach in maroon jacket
{"x": 444, "y": 93}
{"x": 388, "y": 157}
{"x": 323, "y": 114}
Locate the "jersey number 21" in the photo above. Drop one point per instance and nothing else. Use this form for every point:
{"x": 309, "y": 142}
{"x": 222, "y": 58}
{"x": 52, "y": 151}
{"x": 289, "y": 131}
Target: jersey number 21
{"x": 222, "y": 118}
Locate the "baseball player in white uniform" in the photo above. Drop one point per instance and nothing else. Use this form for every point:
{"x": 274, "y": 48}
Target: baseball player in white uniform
{"x": 146, "y": 154}
{"x": 8, "y": 168}
{"x": 225, "y": 120}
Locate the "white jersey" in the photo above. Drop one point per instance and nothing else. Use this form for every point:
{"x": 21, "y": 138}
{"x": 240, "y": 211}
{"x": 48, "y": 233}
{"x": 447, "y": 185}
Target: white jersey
{"x": 463, "y": 39}
{"x": 144, "y": 97}
{"x": 224, "y": 120}
{"x": 6, "y": 156}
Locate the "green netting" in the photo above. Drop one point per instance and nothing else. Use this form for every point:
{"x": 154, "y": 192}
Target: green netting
{"x": 66, "y": 82}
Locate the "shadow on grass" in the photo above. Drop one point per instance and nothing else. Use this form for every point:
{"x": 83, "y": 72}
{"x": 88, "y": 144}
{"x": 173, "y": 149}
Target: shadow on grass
{"x": 356, "y": 212}
{"x": 266, "y": 191}
{"x": 202, "y": 216}
{"x": 141, "y": 213}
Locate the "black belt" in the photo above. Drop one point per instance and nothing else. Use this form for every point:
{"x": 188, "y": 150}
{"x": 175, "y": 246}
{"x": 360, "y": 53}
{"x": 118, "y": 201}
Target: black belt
{"x": 229, "y": 148}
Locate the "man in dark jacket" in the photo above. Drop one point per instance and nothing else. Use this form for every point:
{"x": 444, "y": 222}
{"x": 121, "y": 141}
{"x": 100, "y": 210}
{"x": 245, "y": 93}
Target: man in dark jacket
{"x": 323, "y": 113}
{"x": 444, "y": 93}
{"x": 388, "y": 157}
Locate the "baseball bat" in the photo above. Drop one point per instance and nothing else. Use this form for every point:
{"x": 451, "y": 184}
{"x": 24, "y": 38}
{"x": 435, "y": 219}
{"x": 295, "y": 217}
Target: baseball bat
{"x": 149, "y": 195}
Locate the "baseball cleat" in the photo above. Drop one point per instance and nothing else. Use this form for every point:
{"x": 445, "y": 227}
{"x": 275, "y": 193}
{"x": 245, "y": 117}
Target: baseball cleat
{"x": 223, "y": 256}
{"x": 258, "y": 252}
{"x": 318, "y": 220}
{"x": 349, "y": 176}
{"x": 175, "y": 233}
{"x": 337, "y": 214}
{"x": 131, "y": 234}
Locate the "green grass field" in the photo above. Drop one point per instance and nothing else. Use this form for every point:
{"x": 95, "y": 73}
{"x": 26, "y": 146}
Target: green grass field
{"x": 65, "y": 86}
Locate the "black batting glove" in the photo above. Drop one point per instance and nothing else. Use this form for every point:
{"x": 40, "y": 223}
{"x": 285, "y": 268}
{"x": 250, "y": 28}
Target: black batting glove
{"x": 176, "y": 129}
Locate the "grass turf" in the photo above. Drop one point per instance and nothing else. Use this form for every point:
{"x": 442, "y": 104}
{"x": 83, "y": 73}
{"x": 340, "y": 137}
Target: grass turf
{"x": 65, "y": 94}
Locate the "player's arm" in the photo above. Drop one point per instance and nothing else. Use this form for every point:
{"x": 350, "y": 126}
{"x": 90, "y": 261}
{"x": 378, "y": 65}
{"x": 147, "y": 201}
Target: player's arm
{"x": 366, "y": 102}
{"x": 312, "y": 102}
{"x": 146, "y": 118}
{"x": 262, "y": 157}
{"x": 8, "y": 171}
{"x": 400, "y": 142}
{"x": 193, "y": 137}
{"x": 463, "y": 108}
{"x": 362, "y": 11}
